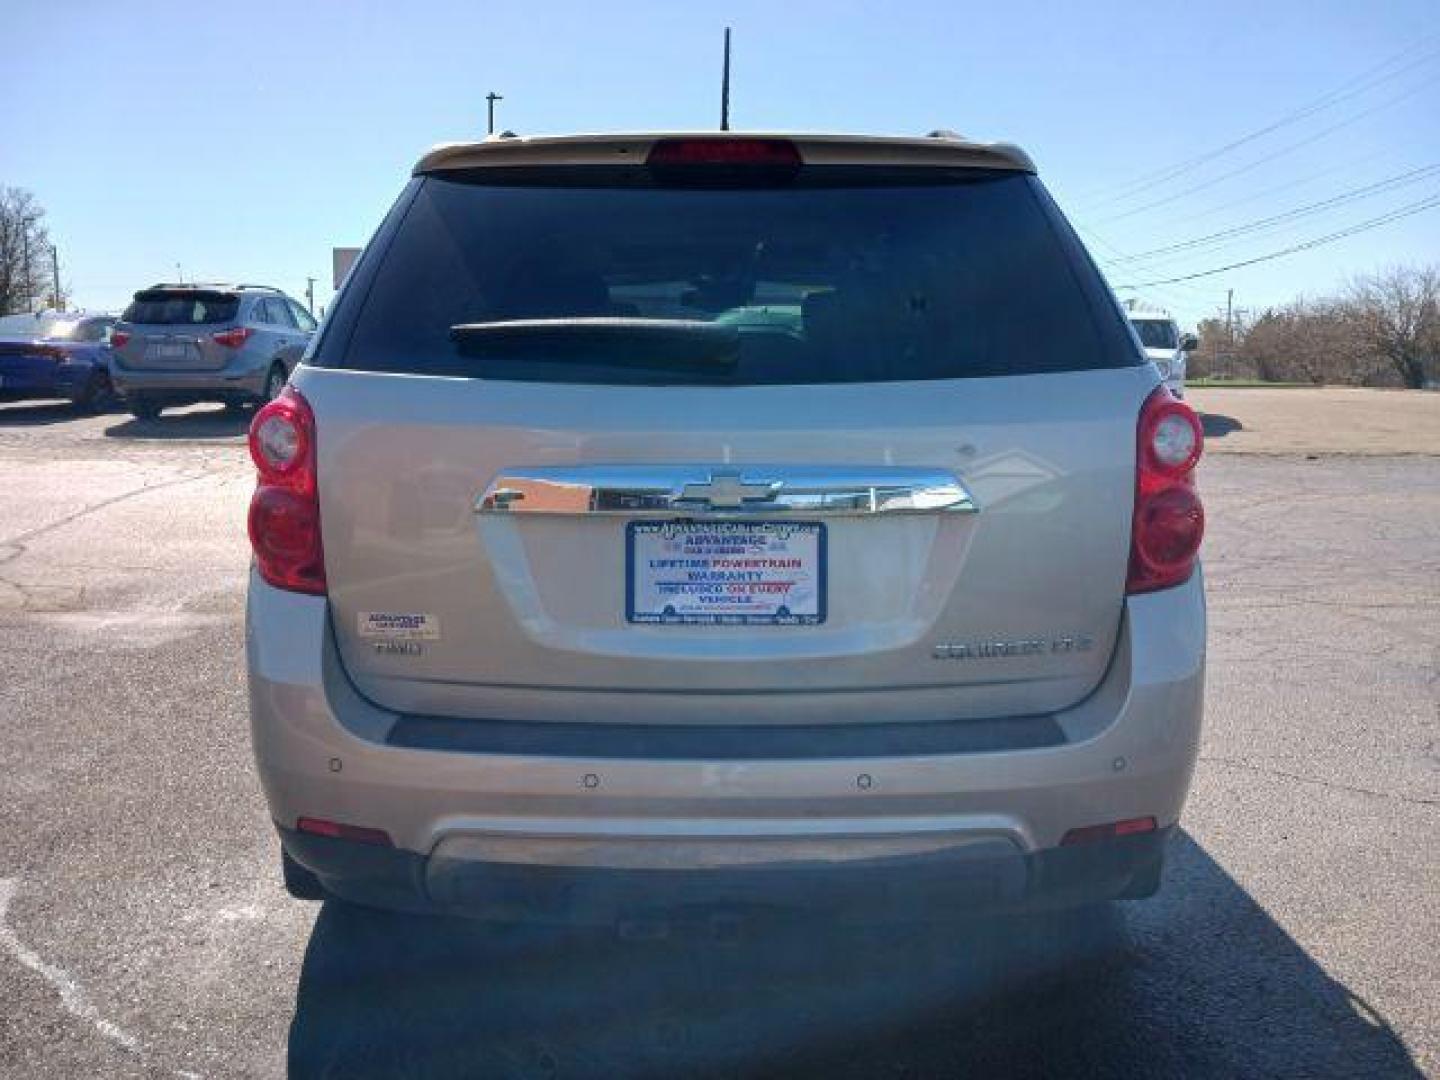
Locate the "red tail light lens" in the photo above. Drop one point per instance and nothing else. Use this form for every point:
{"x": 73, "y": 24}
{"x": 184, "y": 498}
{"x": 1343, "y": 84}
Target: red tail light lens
{"x": 119, "y": 338}
{"x": 285, "y": 509}
{"x": 1169, "y": 520}
{"x": 233, "y": 338}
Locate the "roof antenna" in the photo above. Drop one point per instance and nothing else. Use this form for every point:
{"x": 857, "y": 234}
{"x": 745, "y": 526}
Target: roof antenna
{"x": 725, "y": 86}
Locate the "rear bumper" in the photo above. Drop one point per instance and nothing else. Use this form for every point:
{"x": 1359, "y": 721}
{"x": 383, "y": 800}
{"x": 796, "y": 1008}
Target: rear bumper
{"x": 982, "y": 876}
{"x": 233, "y": 380}
{"x": 43, "y": 379}
{"x": 586, "y": 833}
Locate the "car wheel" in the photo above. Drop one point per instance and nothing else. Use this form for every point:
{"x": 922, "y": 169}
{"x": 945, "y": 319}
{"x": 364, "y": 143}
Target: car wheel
{"x": 95, "y": 394}
{"x": 143, "y": 408}
{"x": 274, "y": 382}
{"x": 300, "y": 883}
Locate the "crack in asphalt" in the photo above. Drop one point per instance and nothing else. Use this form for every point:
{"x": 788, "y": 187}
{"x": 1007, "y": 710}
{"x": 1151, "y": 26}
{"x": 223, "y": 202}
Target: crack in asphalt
{"x": 1265, "y": 770}
{"x": 25, "y": 538}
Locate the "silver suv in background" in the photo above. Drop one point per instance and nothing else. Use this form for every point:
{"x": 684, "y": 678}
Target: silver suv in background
{"x": 179, "y": 344}
{"x": 676, "y": 520}
{"x": 1167, "y": 348}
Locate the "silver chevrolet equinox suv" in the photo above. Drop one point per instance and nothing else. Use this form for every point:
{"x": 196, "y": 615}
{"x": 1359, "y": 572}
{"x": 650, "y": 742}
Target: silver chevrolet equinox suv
{"x": 179, "y": 344}
{"x": 683, "y": 520}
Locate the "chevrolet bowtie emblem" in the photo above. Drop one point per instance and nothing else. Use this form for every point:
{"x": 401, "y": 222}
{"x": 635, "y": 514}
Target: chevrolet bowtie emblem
{"x": 726, "y": 489}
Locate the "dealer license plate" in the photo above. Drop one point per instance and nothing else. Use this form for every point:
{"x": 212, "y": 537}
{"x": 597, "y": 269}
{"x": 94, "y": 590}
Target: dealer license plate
{"x": 725, "y": 573}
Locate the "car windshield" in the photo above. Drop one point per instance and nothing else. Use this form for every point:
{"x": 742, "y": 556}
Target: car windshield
{"x": 1156, "y": 333}
{"x": 826, "y": 282}
{"x": 50, "y": 327}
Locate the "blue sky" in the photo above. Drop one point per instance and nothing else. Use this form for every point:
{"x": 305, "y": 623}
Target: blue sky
{"x": 244, "y": 141}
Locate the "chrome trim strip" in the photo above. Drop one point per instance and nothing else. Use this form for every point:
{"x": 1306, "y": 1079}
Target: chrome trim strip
{"x": 725, "y": 491}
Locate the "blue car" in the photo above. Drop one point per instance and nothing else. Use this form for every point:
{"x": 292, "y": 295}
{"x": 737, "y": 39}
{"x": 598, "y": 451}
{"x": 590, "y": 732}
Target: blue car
{"x": 56, "y": 354}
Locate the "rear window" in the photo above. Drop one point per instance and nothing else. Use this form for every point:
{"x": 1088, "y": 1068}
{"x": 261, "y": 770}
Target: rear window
{"x": 1156, "y": 333}
{"x": 188, "y": 306}
{"x": 825, "y": 281}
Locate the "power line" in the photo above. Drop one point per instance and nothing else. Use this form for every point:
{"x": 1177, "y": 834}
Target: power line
{"x": 1322, "y": 133}
{"x": 1175, "y": 296}
{"x": 1119, "y": 255}
{"x": 1344, "y": 92}
{"x": 1288, "y": 185}
{"x": 1239, "y": 231}
{"x": 1428, "y": 203}
{"x": 1259, "y": 162}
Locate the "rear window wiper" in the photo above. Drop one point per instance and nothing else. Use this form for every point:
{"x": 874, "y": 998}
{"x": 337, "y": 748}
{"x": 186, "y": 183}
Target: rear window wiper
{"x": 607, "y": 341}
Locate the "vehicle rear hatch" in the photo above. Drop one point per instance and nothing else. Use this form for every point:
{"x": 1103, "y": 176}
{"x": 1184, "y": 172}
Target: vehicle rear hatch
{"x": 847, "y": 444}
{"x": 174, "y": 328}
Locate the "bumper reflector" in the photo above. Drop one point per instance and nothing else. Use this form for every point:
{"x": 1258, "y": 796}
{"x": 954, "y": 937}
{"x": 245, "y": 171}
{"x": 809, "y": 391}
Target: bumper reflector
{"x": 337, "y": 831}
{"x": 1092, "y": 833}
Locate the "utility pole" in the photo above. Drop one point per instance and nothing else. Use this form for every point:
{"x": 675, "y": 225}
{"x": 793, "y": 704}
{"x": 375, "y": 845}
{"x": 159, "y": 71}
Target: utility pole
{"x": 725, "y": 86}
{"x": 310, "y": 294}
{"x": 490, "y": 99}
{"x": 1230, "y": 316}
{"x": 55, "y": 273}
{"x": 179, "y": 274}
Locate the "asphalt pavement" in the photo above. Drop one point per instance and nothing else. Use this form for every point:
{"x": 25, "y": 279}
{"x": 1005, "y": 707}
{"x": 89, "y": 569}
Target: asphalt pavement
{"x": 144, "y": 932}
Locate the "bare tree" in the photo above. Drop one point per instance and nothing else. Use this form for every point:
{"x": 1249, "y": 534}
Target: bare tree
{"x": 1314, "y": 341}
{"x": 1384, "y": 330}
{"x": 25, "y": 277}
{"x": 1398, "y": 313}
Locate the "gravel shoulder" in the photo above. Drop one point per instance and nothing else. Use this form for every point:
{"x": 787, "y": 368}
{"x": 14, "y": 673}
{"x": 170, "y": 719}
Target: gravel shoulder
{"x": 1320, "y": 420}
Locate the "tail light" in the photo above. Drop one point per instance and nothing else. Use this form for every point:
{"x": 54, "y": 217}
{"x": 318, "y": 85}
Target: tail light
{"x": 1169, "y": 521}
{"x": 232, "y": 338}
{"x": 285, "y": 509}
{"x": 119, "y": 339}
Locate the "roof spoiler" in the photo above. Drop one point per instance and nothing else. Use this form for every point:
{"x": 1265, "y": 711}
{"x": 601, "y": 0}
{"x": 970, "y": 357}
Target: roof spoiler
{"x": 941, "y": 150}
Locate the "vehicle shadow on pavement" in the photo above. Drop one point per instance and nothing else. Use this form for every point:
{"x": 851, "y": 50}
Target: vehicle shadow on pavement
{"x": 1216, "y": 426}
{"x": 199, "y": 424}
{"x": 1197, "y": 982}
{"x": 43, "y": 414}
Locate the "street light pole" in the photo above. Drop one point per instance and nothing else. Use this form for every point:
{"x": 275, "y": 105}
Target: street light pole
{"x": 725, "y": 86}
{"x": 490, "y": 99}
{"x": 310, "y": 294}
{"x": 55, "y": 271}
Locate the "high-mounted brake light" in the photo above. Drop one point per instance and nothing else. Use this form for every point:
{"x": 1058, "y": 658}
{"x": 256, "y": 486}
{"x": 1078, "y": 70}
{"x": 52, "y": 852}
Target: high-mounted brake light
{"x": 772, "y": 153}
{"x": 233, "y": 338}
{"x": 284, "y": 521}
{"x": 1169, "y": 521}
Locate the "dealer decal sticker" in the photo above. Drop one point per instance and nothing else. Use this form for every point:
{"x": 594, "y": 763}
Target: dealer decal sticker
{"x": 399, "y": 626}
